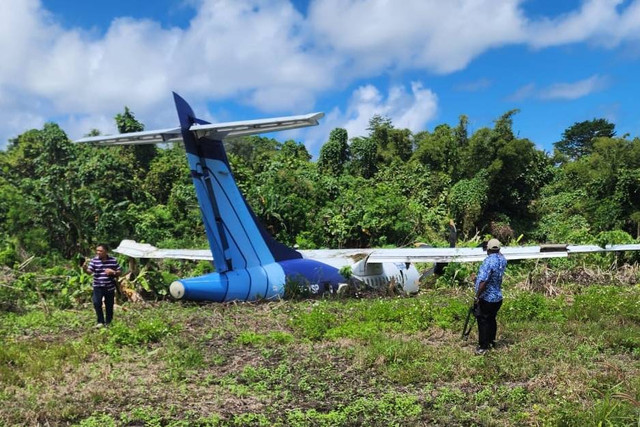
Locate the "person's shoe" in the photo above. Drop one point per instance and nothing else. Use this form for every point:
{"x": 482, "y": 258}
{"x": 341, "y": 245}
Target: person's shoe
{"x": 481, "y": 351}
{"x": 99, "y": 326}
{"x": 493, "y": 344}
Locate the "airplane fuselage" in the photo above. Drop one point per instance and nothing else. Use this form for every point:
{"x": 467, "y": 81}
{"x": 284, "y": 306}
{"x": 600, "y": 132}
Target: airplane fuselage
{"x": 269, "y": 281}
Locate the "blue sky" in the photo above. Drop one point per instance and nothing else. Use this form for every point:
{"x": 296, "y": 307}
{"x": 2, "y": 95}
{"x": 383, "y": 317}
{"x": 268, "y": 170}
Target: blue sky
{"x": 419, "y": 62}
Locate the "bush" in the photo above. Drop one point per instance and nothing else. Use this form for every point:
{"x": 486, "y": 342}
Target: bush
{"x": 148, "y": 330}
{"x": 455, "y": 274}
{"x": 530, "y": 306}
{"x": 315, "y": 324}
{"x": 597, "y": 302}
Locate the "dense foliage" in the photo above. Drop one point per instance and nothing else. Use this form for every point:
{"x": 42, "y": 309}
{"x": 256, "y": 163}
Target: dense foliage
{"x": 391, "y": 187}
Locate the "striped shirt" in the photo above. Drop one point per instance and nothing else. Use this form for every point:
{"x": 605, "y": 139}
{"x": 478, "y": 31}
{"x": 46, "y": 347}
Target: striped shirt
{"x": 100, "y": 279}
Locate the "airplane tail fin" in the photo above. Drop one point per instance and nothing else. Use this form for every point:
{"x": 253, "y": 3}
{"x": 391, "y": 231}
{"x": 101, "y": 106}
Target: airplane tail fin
{"x": 236, "y": 237}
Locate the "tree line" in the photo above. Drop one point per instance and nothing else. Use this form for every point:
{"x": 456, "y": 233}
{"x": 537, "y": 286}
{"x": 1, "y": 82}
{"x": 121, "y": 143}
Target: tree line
{"x": 390, "y": 187}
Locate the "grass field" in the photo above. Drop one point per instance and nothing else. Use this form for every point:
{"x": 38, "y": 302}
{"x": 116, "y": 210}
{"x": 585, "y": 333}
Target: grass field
{"x": 572, "y": 359}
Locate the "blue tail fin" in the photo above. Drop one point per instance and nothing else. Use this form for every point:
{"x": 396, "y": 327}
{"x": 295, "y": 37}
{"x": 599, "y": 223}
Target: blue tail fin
{"x": 236, "y": 238}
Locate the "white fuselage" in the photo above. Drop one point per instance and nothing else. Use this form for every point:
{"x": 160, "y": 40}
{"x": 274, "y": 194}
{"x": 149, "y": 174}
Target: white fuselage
{"x": 377, "y": 275}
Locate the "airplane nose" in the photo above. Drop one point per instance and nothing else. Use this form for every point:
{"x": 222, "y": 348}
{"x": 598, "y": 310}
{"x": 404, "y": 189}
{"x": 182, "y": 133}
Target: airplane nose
{"x": 177, "y": 290}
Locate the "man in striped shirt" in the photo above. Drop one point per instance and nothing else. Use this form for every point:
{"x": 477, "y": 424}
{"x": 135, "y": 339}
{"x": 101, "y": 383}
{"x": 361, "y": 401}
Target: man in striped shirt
{"x": 105, "y": 271}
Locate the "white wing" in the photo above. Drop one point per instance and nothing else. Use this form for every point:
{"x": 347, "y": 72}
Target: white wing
{"x": 342, "y": 257}
{"x": 433, "y": 255}
{"x": 215, "y": 130}
{"x": 144, "y": 250}
{"x": 253, "y": 127}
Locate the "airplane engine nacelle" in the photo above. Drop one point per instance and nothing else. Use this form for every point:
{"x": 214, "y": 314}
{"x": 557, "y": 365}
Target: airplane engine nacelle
{"x": 377, "y": 274}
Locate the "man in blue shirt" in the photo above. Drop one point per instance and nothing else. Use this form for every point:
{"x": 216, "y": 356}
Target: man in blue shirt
{"x": 105, "y": 271}
{"x": 489, "y": 295}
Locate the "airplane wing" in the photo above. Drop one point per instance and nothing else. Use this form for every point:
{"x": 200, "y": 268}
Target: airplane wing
{"x": 144, "y": 250}
{"x": 215, "y": 131}
{"x": 342, "y": 257}
{"x": 442, "y": 255}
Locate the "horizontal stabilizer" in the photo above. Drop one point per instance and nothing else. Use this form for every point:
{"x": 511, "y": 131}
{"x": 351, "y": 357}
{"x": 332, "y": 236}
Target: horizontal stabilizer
{"x": 144, "y": 250}
{"x": 136, "y": 138}
{"x": 253, "y": 127}
{"x": 216, "y": 131}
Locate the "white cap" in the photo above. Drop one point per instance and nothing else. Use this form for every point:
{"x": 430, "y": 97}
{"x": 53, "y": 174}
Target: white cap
{"x": 494, "y": 244}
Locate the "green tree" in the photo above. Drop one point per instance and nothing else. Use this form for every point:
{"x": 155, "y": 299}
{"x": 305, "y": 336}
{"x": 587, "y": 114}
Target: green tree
{"x": 577, "y": 140}
{"x": 391, "y": 143}
{"x": 255, "y": 151}
{"x": 503, "y": 127}
{"x": 635, "y": 217}
{"x": 292, "y": 150}
{"x": 479, "y": 153}
{"x": 364, "y": 155}
{"x": 467, "y": 200}
{"x": 143, "y": 154}
{"x": 461, "y": 135}
{"x": 438, "y": 150}
{"x": 48, "y": 192}
{"x": 334, "y": 154}
{"x": 605, "y": 187}
{"x": 169, "y": 167}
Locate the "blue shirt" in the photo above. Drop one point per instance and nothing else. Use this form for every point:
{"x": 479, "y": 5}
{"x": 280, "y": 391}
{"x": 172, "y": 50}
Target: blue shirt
{"x": 100, "y": 278}
{"x": 491, "y": 272}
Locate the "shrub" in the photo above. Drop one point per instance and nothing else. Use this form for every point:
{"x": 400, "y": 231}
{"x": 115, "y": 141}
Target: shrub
{"x": 530, "y": 306}
{"x": 315, "y": 324}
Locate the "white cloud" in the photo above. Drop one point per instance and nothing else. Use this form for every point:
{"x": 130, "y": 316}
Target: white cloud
{"x": 475, "y": 85}
{"x": 251, "y": 51}
{"x": 441, "y": 36}
{"x": 522, "y": 93}
{"x": 574, "y": 90}
{"x": 561, "y": 91}
{"x": 81, "y": 125}
{"x": 596, "y": 19}
{"x": 406, "y": 110}
{"x": 266, "y": 54}
{"x": 411, "y": 110}
{"x": 606, "y": 23}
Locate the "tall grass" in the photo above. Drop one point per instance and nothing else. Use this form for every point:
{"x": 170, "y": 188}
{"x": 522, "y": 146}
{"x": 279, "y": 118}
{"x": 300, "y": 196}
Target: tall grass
{"x": 570, "y": 359}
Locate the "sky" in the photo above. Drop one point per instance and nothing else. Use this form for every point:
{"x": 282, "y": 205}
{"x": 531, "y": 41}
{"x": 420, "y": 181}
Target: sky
{"x": 420, "y": 63}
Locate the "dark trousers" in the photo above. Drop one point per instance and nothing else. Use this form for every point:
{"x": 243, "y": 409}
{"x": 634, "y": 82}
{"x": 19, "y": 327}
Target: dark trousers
{"x": 109, "y": 296}
{"x": 487, "y": 325}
